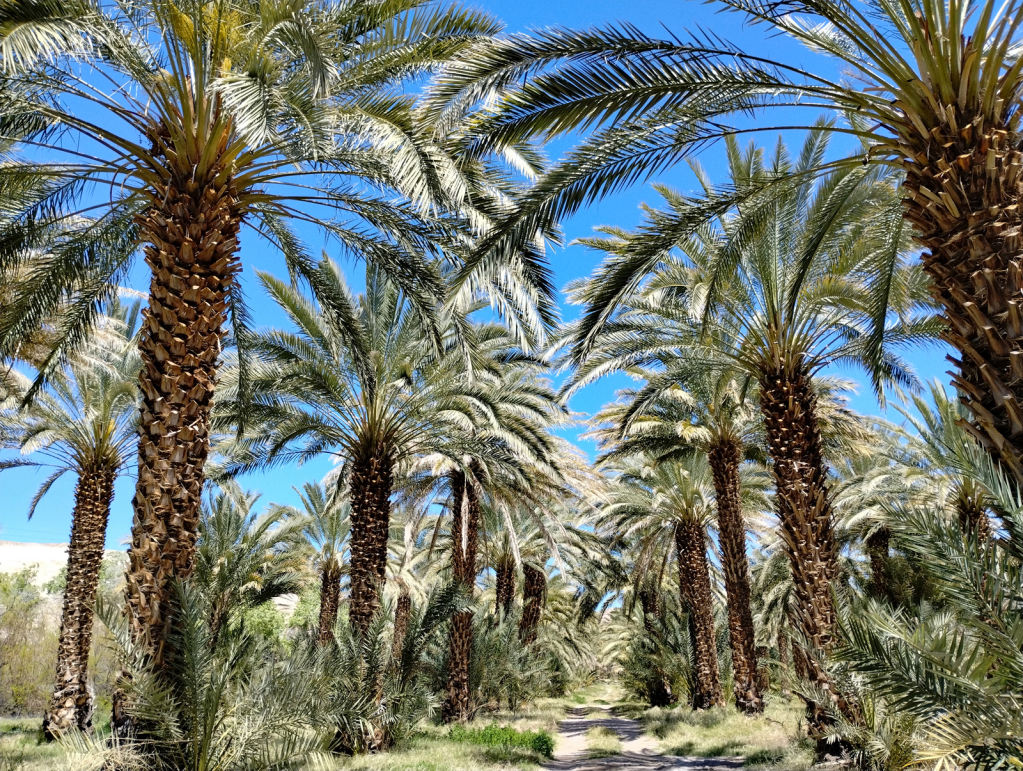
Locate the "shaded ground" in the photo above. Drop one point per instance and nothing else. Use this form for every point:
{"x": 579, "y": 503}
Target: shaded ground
{"x": 639, "y": 752}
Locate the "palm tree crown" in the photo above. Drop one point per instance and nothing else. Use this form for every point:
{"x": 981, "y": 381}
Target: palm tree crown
{"x": 193, "y": 119}
{"x": 935, "y": 94}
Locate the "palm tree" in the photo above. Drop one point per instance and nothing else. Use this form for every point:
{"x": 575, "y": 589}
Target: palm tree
{"x": 667, "y": 508}
{"x": 934, "y": 95}
{"x": 534, "y": 598}
{"x": 516, "y": 459}
{"x": 82, "y": 423}
{"x": 938, "y": 435}
{"x": 202, "y": 117}
{"x": 775, "y": 292}
{"x": 956, "y": 670}
{"x": 244, "y": 559}
{"x": 714, "y": 420}
{"x": 325, "y": 519}
{"x": 465, "y": 533}
{"x": 355, "y": 381}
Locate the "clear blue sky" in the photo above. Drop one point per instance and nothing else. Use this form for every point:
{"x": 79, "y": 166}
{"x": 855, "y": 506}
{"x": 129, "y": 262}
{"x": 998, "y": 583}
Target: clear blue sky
{"x": 52, "y": 521}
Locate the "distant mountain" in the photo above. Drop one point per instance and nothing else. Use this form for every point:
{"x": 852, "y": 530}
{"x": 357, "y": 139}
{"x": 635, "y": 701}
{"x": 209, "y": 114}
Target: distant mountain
{"x": 50, "y": 558}
{"x": 47, "y": 558}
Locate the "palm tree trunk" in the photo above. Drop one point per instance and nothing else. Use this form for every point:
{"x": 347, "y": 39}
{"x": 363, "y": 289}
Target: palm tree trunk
{"x": 783, "y": 650}
{"x": 534, "y": 594}
{"x": 694, "y": 581}
{"x": 660, "y": 691}
{"x": 970, "y": 225}
{"x": 192, "y": 244}
{"x": 402, "y": 614}
{"x": 465, "y": 524}
{"x": 783, "y": 660}
{"x": 505, "y": 584}
{"x": 878, "y": 544}
{"x": 71, "y": 706}
{"x": 650, "y": 602}
{"x": 330, "y": 600}
{"x": 789, "y": 407}
{"x": 370, "y": 485}
{"x": 725, "y": 457}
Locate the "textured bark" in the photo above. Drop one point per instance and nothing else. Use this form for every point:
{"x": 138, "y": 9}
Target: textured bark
{"x": 877, "y": 549}
{"x": 725, "y": 456}
{"x": 962, "y": 194}
{"x": 694, "y": 580}
{"x": 649, "y": 600}
{"x": 191, "y": 233}
{"x": 783, "y": 660}
{"x": 402, "y": 613}
{"x": 763, "y": 674}
{"x": 660, "y": 694}
{"x": 371, "y": 479}
{"x": 505, "y": 584}
{"x": 456, "y": 707}
{"x": 789, "y": 408}
{"x": 71, "y": 705}
{"x": 330, "y": 600}
{"x": 973, "y": 517}
{"x": 534, "y": 595}
{"x": 465, "y": 526}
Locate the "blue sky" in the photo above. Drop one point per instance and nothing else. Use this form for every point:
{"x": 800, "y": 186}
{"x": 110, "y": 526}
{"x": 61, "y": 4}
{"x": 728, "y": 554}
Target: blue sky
{"x": 52, "y": 521}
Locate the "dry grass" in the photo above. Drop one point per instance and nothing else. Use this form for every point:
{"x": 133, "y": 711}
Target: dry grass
{"x": 428, "y": 753}
{"x": 22, "y": 748}
{"x": 773, "y": 740}
{"x": 431, "y": 750}
{"x": 602, "y": 742}
{"x": 596, "y": 693}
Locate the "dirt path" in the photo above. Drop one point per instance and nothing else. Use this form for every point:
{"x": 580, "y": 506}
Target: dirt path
{"x": 639, "y": 752}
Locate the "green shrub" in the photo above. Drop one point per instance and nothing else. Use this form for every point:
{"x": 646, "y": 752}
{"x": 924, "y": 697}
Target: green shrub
{"x": 540, "y": 742}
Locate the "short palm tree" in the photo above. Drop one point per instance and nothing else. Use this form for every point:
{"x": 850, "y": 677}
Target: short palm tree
{"x": 863, "y": 488}
{"x": 934, "y": 94}
{"x": 717, "y": 421}
{"x": 83, "y": 423}
{"x": 244, "y": 559}
{"x": 936, "y": 432}
{"x": 775, "y": 292}
{"x": 325, "y": 518}
{"x": 666, "y": 508}
{"x": 358, "y": 380}
{"x": 957, "y": 670}
{"x": 201, "y": 116}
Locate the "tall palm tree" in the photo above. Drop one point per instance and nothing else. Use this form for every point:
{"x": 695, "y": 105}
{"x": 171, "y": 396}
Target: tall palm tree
{"x": 83, "y": 423}
{"x": 516, "y": 459}
{"x": 357, "y": 381}
{"x": 667, "y": 507}
{"x": 775, "y": 292}
{"x": 200, "y": 117}
{"x": 714, "y": 420}
{"x": 325, "y": 519}
{"x": 934, "y": 95}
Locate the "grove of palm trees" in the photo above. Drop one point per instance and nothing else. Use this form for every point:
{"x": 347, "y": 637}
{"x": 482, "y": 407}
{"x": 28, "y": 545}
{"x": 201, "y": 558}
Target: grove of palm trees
{"x": 415, "y": 471}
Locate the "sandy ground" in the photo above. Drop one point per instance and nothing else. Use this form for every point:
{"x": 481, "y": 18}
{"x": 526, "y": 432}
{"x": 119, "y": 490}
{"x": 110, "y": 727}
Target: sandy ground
{"x": 639, "y": 752}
